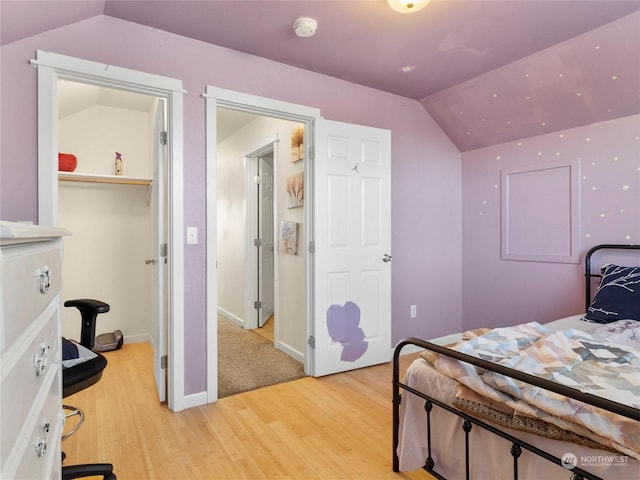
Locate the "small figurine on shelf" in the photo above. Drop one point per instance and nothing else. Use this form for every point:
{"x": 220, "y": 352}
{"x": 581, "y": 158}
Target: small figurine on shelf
{"x": 118, "y": 164}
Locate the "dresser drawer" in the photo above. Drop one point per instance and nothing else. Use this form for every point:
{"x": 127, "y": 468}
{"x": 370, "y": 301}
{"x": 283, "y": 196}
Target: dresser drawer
{"x": 29, "y": 279}
{"x": 26, "y": 369}
{"x": 39, "y": 455}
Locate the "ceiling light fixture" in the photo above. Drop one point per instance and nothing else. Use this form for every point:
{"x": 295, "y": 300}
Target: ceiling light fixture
{"x": 407, "y": 6}
{"x": 305, "y": 27}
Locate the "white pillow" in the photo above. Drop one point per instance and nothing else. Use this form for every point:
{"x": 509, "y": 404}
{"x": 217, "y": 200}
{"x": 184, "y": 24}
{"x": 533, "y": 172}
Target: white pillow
{"x": 73, "y": 353}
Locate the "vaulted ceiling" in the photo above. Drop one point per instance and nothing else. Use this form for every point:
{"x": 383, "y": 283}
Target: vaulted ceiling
{"x": 486, "y": 71}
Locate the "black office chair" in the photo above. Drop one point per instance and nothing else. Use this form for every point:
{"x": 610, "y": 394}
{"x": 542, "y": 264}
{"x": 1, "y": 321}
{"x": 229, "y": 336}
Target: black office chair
{"x": 80, "y": 376}
{"x": 89, "y": 470}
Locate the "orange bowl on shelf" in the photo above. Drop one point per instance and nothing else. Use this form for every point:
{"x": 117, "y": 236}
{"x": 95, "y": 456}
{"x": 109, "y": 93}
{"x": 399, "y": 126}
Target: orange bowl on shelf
{"x": 67, "y": 162}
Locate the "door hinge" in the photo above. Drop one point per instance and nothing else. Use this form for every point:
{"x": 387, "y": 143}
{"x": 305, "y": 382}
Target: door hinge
{"x": 312, "y": 341}
{"x": 257, "y": 242}
{"x": 163, "y": 362}
{"x": 257, "y": 179}
{"x": 163, "y": 249}
{"x": 257, "y": 304}
{"x": 312, "y": 153}
{"x": 163, "y": 138}
{"x": 312, "y": 247}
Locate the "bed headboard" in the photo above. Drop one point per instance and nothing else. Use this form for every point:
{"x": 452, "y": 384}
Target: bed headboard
{"x": 587, "y": 266}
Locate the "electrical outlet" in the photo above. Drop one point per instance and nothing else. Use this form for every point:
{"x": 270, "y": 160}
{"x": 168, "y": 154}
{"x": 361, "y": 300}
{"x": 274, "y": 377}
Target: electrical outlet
{"x": 414, "y": 311}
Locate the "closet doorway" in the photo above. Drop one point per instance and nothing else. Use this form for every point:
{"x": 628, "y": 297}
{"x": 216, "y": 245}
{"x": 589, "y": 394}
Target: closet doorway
{"x": 113, "y": 202}
{"x": 168, "y": 347}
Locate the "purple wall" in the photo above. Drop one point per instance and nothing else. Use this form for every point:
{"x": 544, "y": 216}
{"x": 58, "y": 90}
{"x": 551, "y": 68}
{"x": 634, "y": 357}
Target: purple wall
{"x": 426, "y": 196}
{"x": 505, "y": 292}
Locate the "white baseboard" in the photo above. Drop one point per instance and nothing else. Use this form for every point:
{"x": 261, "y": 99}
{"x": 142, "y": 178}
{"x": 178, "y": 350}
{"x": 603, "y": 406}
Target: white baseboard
{"x": 409, "y": 349}
{"x": 230, "y": 316}
{"x": 139, "y": 338}
{"x": 447, "y": 339}
{"x": 292, "y": 352}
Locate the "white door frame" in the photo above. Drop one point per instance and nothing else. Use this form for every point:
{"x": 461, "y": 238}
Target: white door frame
{"x": 251, "y": 229}
{"x": 266, "y": 226}
{"x": 219, "y": 97}
{"x": 52, "y": 67}
{"x": 160, "y": 268}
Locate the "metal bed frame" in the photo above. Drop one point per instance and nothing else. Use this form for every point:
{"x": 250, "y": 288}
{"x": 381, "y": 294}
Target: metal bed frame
{"x": 469, "y": 421}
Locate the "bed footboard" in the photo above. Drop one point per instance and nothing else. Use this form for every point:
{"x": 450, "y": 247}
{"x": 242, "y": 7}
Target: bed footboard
{"x": 469, "y": 422}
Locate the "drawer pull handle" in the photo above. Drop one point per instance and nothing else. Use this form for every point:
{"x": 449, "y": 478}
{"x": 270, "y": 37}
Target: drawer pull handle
{"x": 41, "y": 443}
{"x": 44, "y": 279}
{"x": 40, "y": 360}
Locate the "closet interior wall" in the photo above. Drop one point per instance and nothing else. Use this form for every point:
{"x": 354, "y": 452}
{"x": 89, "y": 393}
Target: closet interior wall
{"x": 111, "y": 224}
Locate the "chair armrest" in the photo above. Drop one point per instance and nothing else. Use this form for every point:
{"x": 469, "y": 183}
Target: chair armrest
{"x": 88, "y": 304}
{"x": 89, "y": 310}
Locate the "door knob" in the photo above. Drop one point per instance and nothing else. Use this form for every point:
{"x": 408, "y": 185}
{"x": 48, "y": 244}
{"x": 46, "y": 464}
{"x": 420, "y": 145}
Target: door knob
{"x": 150, "y": 261}
{"x": 386, "y": 258}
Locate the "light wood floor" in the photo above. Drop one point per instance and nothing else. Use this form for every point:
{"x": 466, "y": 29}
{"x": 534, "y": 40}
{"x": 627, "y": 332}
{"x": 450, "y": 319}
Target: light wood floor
{"x": 267, "y": 330}
{"x": 336, "y": 427}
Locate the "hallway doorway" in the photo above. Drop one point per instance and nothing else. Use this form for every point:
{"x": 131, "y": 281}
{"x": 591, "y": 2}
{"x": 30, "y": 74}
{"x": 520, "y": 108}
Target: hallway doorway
{"x": 253, "y": 165}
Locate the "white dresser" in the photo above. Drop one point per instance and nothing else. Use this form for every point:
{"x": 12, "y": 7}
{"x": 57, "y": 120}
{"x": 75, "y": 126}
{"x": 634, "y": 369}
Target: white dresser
{"x": 31, "y": 417}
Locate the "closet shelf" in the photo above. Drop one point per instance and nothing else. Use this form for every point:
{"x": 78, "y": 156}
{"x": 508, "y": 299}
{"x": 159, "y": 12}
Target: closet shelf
{"x": 92, "y": 178}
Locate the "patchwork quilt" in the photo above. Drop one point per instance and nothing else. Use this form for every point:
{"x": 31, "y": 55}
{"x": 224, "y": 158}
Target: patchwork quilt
{"x": 584, "y": 360}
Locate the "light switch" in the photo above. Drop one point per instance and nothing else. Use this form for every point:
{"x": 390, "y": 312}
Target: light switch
{"x": 192, "y": 235}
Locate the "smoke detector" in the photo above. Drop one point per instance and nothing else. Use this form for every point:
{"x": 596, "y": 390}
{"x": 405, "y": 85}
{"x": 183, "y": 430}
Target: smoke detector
{"x": 305, "y": 26}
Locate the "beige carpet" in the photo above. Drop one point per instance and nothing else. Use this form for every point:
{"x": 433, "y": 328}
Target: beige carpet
{"x": 247, "y": 361}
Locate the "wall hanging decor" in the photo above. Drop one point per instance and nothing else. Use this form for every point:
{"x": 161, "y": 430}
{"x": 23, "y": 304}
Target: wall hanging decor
{"x": 289, "y": 237}
{"x": 295, "y": 190}
{"x": 297, "y": 144}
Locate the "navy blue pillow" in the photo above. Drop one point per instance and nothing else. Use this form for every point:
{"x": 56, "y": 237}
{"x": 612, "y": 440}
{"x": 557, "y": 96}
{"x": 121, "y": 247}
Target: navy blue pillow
{"x": 617, "y": 297}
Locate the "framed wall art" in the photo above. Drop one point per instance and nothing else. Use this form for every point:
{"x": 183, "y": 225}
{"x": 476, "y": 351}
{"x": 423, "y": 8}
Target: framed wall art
{"x": 295, "y": 190}
{"x": 297, "y": 144}
{"x": 289, "y": 237}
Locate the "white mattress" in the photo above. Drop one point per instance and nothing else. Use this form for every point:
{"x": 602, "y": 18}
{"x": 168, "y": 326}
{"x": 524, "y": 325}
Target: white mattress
{"x": 490, "y": 455}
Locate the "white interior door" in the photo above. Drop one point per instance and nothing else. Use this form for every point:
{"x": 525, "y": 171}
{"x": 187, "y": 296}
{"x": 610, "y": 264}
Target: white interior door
{"x": 352, "y": 269}
{"x": 265, "y": 229}
{"x": 159, "y": 259}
